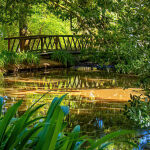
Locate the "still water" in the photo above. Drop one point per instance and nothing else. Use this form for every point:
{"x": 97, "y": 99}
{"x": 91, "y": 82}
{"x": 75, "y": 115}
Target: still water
{"x": 96, "y": 98}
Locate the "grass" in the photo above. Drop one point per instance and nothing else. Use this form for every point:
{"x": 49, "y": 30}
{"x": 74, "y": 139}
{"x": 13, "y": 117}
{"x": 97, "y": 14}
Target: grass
{"x": 13, "y": 58}
{"x": 63, "y": 57}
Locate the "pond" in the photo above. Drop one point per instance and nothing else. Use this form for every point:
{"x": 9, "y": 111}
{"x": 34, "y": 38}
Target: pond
{"x": 96, "y": 98}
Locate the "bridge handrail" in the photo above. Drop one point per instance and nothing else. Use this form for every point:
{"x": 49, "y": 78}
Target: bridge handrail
{"x": 44, "y": 36}
{"x": 49, "y": 42}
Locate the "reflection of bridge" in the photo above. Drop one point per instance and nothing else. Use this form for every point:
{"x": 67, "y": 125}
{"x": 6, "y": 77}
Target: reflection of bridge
{"x": 48, "y": 43}
{"x": 77, "y": 82}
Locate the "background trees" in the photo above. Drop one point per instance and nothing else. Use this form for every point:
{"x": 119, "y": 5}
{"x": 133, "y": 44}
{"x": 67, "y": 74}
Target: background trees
{"x": 120, "y": 26}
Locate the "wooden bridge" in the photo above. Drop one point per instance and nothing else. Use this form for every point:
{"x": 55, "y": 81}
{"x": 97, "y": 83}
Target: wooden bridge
{"x": 49, "y": 43}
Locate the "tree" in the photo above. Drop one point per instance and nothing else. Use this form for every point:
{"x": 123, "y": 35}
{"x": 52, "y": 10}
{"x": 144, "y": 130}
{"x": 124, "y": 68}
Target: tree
{"x": 121, "y": 27}
{"x": 17, "y": 11}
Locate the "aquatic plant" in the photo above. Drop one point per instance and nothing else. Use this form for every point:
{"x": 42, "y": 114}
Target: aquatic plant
{"x": 43, "y": 133}
{"x": 138, "y": 111}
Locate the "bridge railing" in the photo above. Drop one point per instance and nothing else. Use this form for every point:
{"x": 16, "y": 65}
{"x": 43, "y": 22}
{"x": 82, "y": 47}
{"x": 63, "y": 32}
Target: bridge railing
{"x": 43, "y": 43}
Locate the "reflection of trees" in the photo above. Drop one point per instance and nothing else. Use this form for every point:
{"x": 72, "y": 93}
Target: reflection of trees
{"x": 96, "y": 119}
{"x": 144, "y": 139}
{"x": 60, "y": 79}
{"x": 90, "y": 124}
{"x": 72, "y": 82}
{"x": 84, "y": 82}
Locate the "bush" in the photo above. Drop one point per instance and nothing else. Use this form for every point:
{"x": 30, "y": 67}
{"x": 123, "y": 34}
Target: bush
{"x": 126, "y": 59}
{"x": 9, "y": 58}
{"x": 63, "y": 57}
{"x": 138, "y": 111}
{"x": 28, "y": 58}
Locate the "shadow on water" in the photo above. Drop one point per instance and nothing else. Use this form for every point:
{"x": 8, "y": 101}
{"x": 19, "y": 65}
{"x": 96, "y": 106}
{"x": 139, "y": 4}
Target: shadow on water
{"x": 95, "y": 98}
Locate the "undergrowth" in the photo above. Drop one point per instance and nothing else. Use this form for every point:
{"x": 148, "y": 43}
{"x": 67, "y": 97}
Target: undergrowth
{"x": 11, "y": 58}
{"x": 63, "y": 57}
{"x": 138, "y": 111}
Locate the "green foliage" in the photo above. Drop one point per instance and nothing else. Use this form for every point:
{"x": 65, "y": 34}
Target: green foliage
{"x": 9, "y": 58}
{"x": 26, "y": 132}
{"x": 138, "y": 111}
{"x": 126, "y": 60}
{"x": 39, "y": 21}
{"x": 105, "y": 141}
{"x": 28, "y": 58}
{"x": 13, "y": 131}
{"x": 121, "y": 28}
{"x": 63, "y": 57}
{"x": 43, "y": 22}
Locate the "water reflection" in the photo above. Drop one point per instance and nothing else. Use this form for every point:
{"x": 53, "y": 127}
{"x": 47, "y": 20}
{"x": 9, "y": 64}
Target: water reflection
{"x": 144, "y": 140}
{"x": 99, "y": 123}
{"x": 95, "y": 98}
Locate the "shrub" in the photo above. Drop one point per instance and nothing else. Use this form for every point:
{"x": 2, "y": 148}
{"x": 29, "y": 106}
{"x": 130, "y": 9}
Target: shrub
{"x": 125, "y": 59}
{"x": 9, "y": 58}
{"x": 138, "y": 111}
{"x": 28, "y": 58}
{"x": 63, "y": 57}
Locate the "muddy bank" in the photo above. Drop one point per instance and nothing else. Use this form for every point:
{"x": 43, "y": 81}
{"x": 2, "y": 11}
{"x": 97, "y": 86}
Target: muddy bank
{"x": 43, "y": 64}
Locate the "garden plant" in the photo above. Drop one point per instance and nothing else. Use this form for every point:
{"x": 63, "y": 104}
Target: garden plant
{"x": 46, "y": 133}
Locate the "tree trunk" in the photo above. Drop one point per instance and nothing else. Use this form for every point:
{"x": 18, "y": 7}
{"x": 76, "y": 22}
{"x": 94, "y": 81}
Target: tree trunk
{"x": 23, "y": 28}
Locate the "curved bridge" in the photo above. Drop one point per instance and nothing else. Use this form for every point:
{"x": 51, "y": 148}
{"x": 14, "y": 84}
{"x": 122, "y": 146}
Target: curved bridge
{"x": 49, "y": 43}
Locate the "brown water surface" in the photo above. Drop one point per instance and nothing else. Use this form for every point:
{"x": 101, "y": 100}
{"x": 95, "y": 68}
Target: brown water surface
{"x": 96, "y": 98}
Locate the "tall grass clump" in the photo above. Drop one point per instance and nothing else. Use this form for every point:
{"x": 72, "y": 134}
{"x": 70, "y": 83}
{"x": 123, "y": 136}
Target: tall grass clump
{"x": 10, "y": 58}
{"x": 63, "y": 57}
{"x": 45, "y": 133}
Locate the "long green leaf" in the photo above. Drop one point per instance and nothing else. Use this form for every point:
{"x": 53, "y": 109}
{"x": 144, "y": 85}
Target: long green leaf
{"x": 38, "y": 100}
{"x": 51, "y": 130}
{"x": 56, "y": 101}
{"x": 33, "y": 110}
{"x": 19, "y": 126}
{"x": 21, "y": 143}
{"x": 57, "y": 128}
{"x": 110, "y": 137}
{"x": 65, "y": 144}
{"x": 7, "y": 118}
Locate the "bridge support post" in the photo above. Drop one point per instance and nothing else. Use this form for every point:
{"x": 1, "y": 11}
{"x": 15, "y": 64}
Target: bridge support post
{"x": 56, "y": 40}
{"x": 42, "y": 44}
{"x": 9, "y": 44}
{"x": 22, "y": 43}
